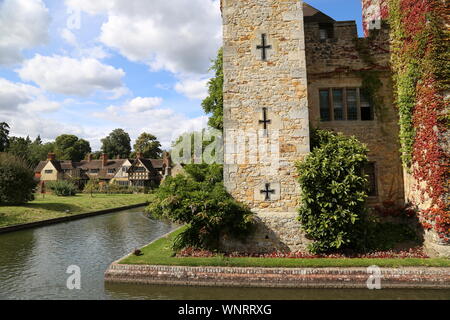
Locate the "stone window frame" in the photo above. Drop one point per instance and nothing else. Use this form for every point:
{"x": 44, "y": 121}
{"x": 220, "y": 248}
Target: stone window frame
{"x": 345, "y": 105}
{"x": 374, "y": 181}
{"x": 326, "y": 29}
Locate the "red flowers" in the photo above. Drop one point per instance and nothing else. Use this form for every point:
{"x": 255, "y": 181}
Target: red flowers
{"x": 412, "y": 253}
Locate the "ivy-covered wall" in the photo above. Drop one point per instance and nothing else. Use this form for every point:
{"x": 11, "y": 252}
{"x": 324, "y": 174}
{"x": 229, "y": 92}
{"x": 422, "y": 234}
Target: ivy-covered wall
{"x": 373, "y": 10}
{"x": 420, "y": 57}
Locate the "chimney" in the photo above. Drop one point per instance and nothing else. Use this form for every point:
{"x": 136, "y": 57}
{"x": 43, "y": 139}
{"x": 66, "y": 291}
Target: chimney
{"x": 51, "y": 156}
{"x": 139, "y": 155}
{"x": 166, "y": 158}
{"x": 89, "y": 157}
{"x": 104, "y": 159}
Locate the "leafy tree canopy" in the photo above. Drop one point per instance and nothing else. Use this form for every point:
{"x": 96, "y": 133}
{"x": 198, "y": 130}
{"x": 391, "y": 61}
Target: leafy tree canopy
{"x": 213, "y": 104}
{"x": 4, "y": 133}
{"x": 149, "y": 145}
{"x": 118, "y": 143}
{"x": 70, "y": 147}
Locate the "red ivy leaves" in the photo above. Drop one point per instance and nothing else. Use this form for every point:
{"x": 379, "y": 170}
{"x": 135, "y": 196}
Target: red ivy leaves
{"x": 430, "y": 160}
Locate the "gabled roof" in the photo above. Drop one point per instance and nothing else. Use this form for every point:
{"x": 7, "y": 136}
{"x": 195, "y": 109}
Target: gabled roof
{"x": 40, "y": 166}
{"x": 56, "y": 164}
{"x": 157, "y": 163}
{"x": 311, "y": 14}
{"x": 113, "y": 164}
{"x": 98, "y": 164}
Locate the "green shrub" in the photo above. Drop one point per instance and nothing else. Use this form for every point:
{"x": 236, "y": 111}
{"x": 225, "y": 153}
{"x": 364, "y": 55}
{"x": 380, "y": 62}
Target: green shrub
{"x": 334, "y": 192}
{"x": 17, "y": 184}
{"x": 384, "y": 236}
{"x": 199, "y": 199}
{"x": 92, "y": 186}
{"x": 62, "y": 188}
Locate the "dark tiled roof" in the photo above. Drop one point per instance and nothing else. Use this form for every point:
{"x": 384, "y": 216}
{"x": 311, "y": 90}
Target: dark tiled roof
{"x": 147, "y": 164}
{"x": 98, "y": 164}
{"x": 113, "y": 164}
{"x": 157, "y": 163}
{"x": 40, "y": 166}
{"x": 57, "y": 165}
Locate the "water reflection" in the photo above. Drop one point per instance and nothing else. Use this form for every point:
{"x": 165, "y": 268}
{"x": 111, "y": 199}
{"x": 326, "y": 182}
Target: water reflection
{"x": 127, "y": 291}
{"x": 33, "y": 265}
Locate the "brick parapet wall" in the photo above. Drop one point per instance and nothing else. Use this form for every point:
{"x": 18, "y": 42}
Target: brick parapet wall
{"x": 413, "y": 277}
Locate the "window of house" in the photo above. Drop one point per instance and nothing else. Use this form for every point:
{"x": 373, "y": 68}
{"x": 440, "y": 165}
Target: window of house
{"x": 325, "y": 105}
{"x": 125, "y": 169}
{"x": 366, "y": 108}
{"x": 352, "y": 105}
{"x": 111, "y": 171}
{"x": 48, "y": 171}
{"x": 338, "y": 104}
{"x": 326, "y": 31}
{"x": 95, "y": 171}
{"x": 344, "y": 104}
{"x": 139, "y": 169}
{"x": 370, "y": 171}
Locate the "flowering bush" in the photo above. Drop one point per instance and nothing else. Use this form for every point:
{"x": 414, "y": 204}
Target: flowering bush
{"x": 199, "y": 199}
{"x": 334, "y": 191}
{"x": 402, "y": 254}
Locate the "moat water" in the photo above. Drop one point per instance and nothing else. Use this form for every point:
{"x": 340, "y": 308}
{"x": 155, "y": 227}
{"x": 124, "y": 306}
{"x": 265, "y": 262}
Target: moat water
{"x": 33, "y": 265}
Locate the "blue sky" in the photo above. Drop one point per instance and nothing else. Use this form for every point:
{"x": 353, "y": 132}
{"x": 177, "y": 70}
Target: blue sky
{"x": 87, "y": 67}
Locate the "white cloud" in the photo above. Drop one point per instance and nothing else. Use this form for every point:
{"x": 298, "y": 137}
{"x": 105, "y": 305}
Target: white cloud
{"x": 76, "y": 77}
{"x": 23, "y": 25}
{"x": 142, "y": 104}
{"x": 177, "y": 35}
{"x": 69, "y": 37}
{"x": 192, "y": 88}
{"x": 19, "y": 97}
{"x": 166, "y": 124}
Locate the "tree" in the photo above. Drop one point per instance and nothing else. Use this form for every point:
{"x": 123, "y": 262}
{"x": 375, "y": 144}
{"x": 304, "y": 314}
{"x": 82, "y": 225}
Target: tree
{"x": 20, "y": 147}
{"x": 118, "y": 143}
{"x": 334, "y": 192}
{"x": 149, "y": 145}
{"x": 38, "y": 151}
{"x": 4, "y": 133}
{"x": 213, "y": 104}
{"x": 70, "y": 147}
{"x": 17, "y": 184}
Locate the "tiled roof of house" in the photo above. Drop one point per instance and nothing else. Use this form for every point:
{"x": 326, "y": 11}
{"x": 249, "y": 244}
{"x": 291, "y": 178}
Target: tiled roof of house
{"x": 157, "y": 163}
{"x": 40, "y": 166}
{"x": 105, "y": 172}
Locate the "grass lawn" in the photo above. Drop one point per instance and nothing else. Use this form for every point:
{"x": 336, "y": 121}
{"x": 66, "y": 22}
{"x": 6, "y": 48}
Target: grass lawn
{"x": 56, "y": 207}
{"x": 160, "y": 253}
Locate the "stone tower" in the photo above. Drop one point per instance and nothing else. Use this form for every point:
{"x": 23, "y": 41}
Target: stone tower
{"x": 266, "y": 119}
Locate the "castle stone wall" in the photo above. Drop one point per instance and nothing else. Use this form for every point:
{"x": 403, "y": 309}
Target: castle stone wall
{"x": 267, "y": 86}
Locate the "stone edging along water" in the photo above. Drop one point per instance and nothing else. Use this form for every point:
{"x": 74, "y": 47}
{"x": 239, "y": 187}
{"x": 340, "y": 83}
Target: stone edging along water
{"x": 67, "y": 218}
{"x": 336, "y": 278}
{"x": 332, "y": 278}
